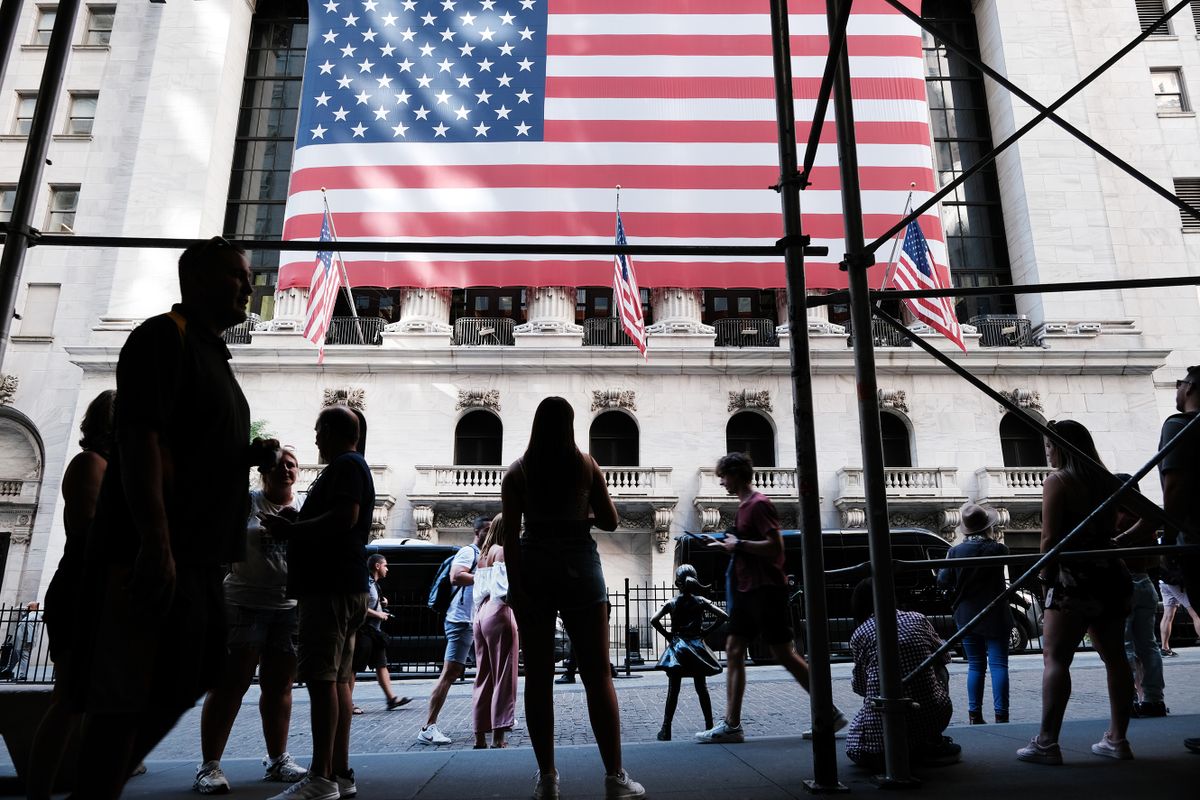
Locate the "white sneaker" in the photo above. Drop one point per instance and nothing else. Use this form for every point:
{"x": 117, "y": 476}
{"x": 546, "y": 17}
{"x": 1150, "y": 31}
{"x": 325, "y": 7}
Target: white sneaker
{"x": 346, "y": 785}
{"x": 839, "y": 722}
{"x": 721, "y": 733}
{"x": 621, "y": 785}
{"x": 545, "y": 787}
{"x": 431, "y": 735}
{"x": 210, "y": 779}
{"x": 283, "y": 769}
{"x": 311, "y": 788}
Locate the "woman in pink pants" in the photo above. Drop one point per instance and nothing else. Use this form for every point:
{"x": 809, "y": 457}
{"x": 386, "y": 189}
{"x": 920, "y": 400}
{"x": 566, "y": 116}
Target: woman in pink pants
{"x": 495, "y": 701}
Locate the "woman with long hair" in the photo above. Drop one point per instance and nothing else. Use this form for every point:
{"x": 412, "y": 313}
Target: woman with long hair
{"x": 495, "y": 699}
{"x": 554, "y": 568}
{"x": 1083, "y": 597}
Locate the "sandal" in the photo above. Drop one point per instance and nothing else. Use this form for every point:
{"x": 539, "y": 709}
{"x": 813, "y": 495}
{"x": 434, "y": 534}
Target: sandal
{"x": 356, "y": 711}
{"x": 396, "y": 702}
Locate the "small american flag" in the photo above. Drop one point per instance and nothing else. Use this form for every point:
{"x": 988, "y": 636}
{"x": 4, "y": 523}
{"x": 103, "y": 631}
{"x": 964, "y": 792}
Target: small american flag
{"x": 626, "y": 295}
{"x": 916, "y": 270}
{"x": 323, "y": 292}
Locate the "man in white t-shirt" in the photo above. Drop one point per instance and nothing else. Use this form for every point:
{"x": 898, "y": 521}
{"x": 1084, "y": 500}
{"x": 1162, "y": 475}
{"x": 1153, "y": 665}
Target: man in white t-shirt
{"x": 459, "y": 640}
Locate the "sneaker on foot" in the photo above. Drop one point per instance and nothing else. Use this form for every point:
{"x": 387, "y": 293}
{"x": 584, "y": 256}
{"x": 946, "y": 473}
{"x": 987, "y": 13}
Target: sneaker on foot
{"x": 1037, "y": 753}
{"x": 283, "y": 769}
{"x": 621, "y": 785}
{"x": 565, "y": 678}
{"x": 1118, "y": 749}
{"x": 839, "y": 722}
{"x": 311, "y": 787}
{"x": 431, "y": 735}
{"x": 210, "y": 779}
{"x": 943, "y": 752}
{"x": 545, "y": 787}
{"x": 721, "y": 733}
{"x": 1150, "y": 709}
{"x": 345, "y": 783}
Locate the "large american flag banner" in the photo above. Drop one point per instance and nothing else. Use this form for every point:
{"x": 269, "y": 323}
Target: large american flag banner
{"x": 512, "y": 120}
{"x": 323, "y": 288}
{"x": 916, "y": 270}
{"x": 626, "y": 295}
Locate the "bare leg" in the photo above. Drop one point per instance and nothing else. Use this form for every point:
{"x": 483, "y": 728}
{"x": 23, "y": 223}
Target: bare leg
{"x": 275, "y": 679}
{"x": 787, "y": 656}
{"x": 1195, "y": 619}
{"x": 1164, "y": 627}
{"x": 58, "y": 727}
{"x": 384, "y": 676}
{"x": 1060, "y": 637}
{"x": 222, "y": 704}
{"x": 735, "y": 679}
{"x": 674, "y": 682}
{"x": 588, "y": 629}
{"x": 451, "y": 671}
{"x": 1108, "y": 637}
{"x": 323, "y": 696}
{"x": 341, "y": 738}
{"x": 705, "y": 700}
{"x": 537, "y": 642}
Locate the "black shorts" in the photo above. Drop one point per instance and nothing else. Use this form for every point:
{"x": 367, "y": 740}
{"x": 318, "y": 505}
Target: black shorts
{"x": 370, "y": 649}
{"x": 760, "y": 611}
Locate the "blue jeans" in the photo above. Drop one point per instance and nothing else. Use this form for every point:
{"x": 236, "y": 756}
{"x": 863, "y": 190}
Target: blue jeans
{"x": 981, "y": 654}
{"x": 1140, "y": 644}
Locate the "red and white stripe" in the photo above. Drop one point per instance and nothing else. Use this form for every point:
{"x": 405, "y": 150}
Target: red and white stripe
{"x": 673, "y": 101}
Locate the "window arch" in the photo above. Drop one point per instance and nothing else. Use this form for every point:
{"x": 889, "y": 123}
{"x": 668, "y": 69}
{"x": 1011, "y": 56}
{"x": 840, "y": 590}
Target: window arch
{"x": 751, "y": 433}
{"x": 1020, "y": 443}
{"x": 478, "y": 438}
{"x": 897, "y": 445}
{"x": 613, "y": 440}
{"x": 22, "y": 457}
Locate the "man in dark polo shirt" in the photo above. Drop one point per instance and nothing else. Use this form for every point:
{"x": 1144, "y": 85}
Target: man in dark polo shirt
{"x": 327, "y": 573}
{"x": 172, "y": 509}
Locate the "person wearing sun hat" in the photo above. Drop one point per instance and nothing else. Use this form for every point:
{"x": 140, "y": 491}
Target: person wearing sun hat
{"x": 972, "y": 589}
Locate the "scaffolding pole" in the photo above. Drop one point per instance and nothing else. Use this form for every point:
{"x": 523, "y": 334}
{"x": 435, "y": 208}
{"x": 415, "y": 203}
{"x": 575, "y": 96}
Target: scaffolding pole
{"x": 16, "y": 243}
{"x": 825, "y": 779}
{"x": 894, "y": 706}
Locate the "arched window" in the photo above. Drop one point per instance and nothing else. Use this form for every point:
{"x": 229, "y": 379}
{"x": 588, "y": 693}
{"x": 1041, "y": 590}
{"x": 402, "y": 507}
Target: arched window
{"x": 897, "y": 449}
{"x": 22, "y": 455}
{"x": 613, "y": 440}
{"x": 752, "y": 434}
{"x": 1021, "y": 444}
{"x": 478, "y": 438}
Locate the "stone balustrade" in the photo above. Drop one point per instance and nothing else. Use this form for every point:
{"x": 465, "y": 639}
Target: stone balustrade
{"x": 917, "y": 496}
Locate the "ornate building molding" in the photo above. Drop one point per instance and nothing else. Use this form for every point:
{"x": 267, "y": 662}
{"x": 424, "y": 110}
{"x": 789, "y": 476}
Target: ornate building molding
{"x": 1024, "y": 398}
{"x": 750, "y": 399}
{"x": 349, "y": 396}
{"x": 478, "y": 398}
{"x": 614, "y": 398}
{"x": 8, "y": 389}
{"x": 423, "y": 517}
{"x": 893, "y": 398}
{"x": 662, "y": 527}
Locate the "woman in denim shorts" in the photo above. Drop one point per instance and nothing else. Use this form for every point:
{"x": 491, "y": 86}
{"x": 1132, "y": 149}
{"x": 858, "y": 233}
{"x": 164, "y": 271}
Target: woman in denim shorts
{"x": 554, "y": 569}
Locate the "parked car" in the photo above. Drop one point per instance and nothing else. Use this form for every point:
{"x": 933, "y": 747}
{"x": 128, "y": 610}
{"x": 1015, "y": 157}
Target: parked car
{"x": 916, "y": 590}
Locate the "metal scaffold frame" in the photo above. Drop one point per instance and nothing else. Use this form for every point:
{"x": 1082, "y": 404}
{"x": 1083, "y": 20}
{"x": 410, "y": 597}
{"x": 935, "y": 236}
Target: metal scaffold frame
{"x": 793, "y": 247}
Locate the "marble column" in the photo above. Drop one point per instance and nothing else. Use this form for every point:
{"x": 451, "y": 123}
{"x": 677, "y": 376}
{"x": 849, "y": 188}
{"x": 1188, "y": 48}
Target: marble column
{"x": 290, "y": 308}
{"x": 424, "y": 319}
{"x": 550, "y": 318}
{"x": 678, "y": 315}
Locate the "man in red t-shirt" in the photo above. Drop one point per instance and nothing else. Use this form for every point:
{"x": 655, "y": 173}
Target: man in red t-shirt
{"x": 756, "y": 595}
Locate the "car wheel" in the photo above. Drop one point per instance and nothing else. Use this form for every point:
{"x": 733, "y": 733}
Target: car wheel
{"x": 1018, "y": 638}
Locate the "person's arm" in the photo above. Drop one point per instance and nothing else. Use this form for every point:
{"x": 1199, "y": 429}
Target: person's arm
{"x": 656, "y": 620}
{"x": 769, "y": 548}
{"x": 337, "y": 520}
{"x": 512, "y": 504}
{"x": 142, "y": 469}
{"x": 604, "y": 510}
{"x": 462, "y": 574}
{"x": 81, "y": 489}
{"x": 378, "y": 613}
{"x": 1054, "y": 508}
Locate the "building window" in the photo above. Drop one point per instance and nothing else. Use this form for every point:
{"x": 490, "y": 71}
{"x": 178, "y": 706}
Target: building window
{"x": 478, "y": 439}
{"x": 1149, "y": 11}
{"x": 972, "y": 218}
{"x": 44, "y": 25}
{"x": 741, "y": 303}
{"x": 41, "y": 306}
{"x": 81, "y": 114}
{"x": 99, "y": 25}
{"x": 1168, "y": 90}
{"x": 613, "y": 440}
{"x": 1196, "y": 15}
{"x": 8, "y": 194}
{"x": 63, "y": 202}
{"x": 1020, "y": 443}
{"x": 1188, "y": 190}
{"x": 752, "y": 434}
{"x": 262, "y": 159}
{"x": 897, "y": 449}
{"x": 26, "y": 103}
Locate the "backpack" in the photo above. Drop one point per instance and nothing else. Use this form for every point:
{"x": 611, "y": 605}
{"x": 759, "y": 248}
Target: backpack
{"x": 442, "y": 592}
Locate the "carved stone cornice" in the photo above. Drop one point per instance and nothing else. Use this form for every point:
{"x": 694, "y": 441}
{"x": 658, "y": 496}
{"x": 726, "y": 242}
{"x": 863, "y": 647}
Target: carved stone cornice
{"x": 345, "y": 396}
{"x": 747, "y": 398}
{"x": 614, "y": 398}
{"x": 8, "y": 389}
{"x": 478, "y": 398}
{"x": 1024, "y": 398}
{"x": 893, "y": 398}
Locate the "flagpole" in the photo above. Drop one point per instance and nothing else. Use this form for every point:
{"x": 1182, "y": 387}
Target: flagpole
{"x": 342, "y": 269}
{"x": 615, "y": 312}
{"x": 891, "y": 267}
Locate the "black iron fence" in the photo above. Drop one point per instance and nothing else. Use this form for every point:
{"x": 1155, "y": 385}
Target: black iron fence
{"x": 24, "y": 648}
{"x": 240, "y": 333}
{"x": 1003, "y": 330}
{"x": 736, "y": 332}
{"x": 882, "y": 335}
{"x": 484, "y": 332}
{"x": 605, "y": 332}
{"x": 355, "y": 330}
